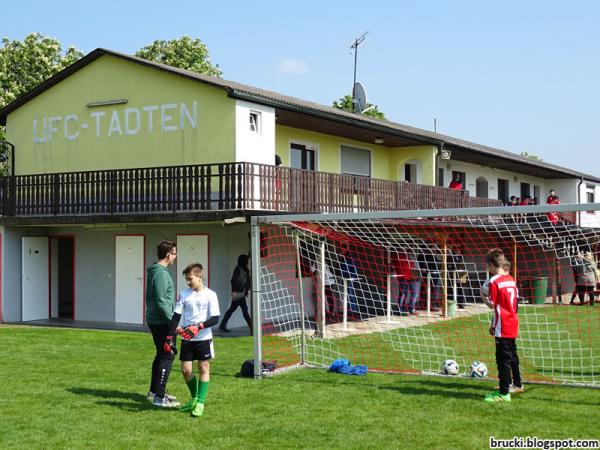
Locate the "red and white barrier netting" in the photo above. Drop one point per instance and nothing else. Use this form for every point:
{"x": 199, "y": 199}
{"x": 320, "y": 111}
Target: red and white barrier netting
{"x": 400, "y": 292}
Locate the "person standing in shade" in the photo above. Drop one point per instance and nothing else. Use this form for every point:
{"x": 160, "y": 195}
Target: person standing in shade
{"x": 350, "y": 274}
{"x": 240, "y": 286}
{"x": 408, "y": 269}
{"x": 160, "y": 302}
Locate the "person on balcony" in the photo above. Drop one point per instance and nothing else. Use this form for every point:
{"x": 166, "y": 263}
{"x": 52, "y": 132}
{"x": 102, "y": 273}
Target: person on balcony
{"x": 456, "y": 183}
{"x": 553, "y": 199}
{"x": 240, "y": 286}
{"x": 278, "y": 182}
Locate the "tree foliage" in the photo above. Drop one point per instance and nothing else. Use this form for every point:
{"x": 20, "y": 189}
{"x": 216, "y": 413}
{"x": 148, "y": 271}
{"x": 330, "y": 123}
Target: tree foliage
{"x": 531, "y": 156}
{"x": 185, "y": 53}
{"x": 346, "y": 104}
{"x": 25, "y": 64}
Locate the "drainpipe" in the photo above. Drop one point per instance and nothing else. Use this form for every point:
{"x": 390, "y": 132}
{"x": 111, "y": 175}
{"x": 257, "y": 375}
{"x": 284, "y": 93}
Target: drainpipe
{"x": 435, "y": 162}
{"x": 579, "y": 200}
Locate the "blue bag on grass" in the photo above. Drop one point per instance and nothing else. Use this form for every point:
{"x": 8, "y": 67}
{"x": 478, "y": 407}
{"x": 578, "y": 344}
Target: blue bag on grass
{"x": 344, "y": 366}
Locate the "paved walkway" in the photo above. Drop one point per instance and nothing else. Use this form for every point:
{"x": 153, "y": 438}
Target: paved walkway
{"x": 114, "y": 326}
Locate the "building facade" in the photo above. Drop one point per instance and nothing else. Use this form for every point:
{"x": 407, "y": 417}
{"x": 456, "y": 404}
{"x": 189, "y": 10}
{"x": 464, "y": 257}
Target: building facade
{"x": 116, "y": 153}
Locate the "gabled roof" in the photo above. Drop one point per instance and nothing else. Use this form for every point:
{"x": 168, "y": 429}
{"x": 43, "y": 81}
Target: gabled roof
{"x": 283, "y": 102}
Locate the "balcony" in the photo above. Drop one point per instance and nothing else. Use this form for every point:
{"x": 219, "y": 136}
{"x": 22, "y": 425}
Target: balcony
{"x": 215, "y": 187}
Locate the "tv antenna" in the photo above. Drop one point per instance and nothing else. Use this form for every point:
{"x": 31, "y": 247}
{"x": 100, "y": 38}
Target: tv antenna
{"x": 359, "y": 96}
{"x": 354, "y": 47}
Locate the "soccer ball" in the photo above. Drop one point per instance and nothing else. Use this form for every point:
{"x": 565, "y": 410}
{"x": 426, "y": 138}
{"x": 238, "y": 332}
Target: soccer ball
{"x": 450, "y": 367}
{"x": 478, "y": 370}
{"x": 485, "y": 288}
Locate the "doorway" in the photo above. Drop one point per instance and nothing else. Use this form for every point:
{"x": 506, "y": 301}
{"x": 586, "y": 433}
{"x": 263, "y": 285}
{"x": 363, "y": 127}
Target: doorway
{"x": 129, "y": 278}
{"x": 192, "y": 248}
{"x": 503, "y": 191}
{"x": 34, "y": 271}
{"x": 302, "y": 157}
{"x": 62, "y": 277}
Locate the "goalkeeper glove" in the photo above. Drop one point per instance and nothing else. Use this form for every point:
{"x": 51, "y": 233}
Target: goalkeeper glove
{"x": 169, "y": 345}
{"x": 191, "y": 331}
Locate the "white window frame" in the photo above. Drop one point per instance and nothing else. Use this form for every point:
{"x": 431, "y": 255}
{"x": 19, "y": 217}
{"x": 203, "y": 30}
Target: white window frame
{"x": 309, "y": 146}
{"x": 255, "y": 121}
{"x": 590, "y": 189}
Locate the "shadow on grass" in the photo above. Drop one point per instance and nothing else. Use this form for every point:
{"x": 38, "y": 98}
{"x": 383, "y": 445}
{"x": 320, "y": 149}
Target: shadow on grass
{"x": 435, "y": 388}
{"x": 461, "y": 390}
{"x": 130, "y": 401}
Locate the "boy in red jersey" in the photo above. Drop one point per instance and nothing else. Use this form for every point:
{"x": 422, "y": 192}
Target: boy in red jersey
{"x": 502, "y": 298}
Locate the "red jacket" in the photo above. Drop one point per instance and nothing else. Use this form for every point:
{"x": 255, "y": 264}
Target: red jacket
{"x": 456, "y": 185}
{"x": 552, "y": 216}
{"x": 403, "y": 266}
{"x": 503, "y": 294}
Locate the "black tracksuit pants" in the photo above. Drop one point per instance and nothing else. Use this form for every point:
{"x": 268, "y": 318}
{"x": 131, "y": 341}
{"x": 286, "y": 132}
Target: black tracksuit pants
{"x": 507, "y": 361}
{"x": 163, "y": 361}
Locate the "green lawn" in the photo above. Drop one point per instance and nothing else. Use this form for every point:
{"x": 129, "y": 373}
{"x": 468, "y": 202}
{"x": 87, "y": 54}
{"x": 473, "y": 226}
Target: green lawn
{"x": 66, "y": 388}
{"x": 558, "y": 344}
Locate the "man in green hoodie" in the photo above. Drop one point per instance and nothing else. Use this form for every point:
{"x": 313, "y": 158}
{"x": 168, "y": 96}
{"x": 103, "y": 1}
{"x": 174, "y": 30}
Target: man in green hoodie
{"x": 160, "y": 302}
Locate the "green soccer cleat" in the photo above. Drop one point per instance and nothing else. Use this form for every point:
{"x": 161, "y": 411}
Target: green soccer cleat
{"x": 189, "y": 405}
{"x": 496, "y": 396}
{"x": 198, "y": 410}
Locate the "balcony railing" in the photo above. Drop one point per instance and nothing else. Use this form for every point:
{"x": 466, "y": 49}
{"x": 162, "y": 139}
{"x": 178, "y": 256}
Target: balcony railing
{"x": 216, "y": 187}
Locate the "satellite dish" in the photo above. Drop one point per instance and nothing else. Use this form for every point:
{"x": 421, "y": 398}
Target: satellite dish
{"x": 359, "y": 98}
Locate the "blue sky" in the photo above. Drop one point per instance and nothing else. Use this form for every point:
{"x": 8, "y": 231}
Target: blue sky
{"x": 517, "y": 75}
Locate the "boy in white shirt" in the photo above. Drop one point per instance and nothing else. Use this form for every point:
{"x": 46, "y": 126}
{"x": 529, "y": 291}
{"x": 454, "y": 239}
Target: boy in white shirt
{"x": 198, "y": 309}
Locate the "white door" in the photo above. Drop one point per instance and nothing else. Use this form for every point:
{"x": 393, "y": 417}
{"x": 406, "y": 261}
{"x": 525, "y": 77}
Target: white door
{"x": 191, "y": 249}
{"x": 53, "y": 278}
{"x": 129, "y": 279}
{"x": 35, "y": 278}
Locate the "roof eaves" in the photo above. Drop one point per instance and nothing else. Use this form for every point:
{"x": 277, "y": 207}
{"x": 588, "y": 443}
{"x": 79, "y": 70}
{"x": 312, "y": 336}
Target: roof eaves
{"x": 349, "y": 118}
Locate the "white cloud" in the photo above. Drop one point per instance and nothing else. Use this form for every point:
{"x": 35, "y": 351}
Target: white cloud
{"x": 293, "y": 66}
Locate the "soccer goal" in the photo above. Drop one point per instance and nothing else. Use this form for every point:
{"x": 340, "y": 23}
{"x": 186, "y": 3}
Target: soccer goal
{"x": 400, "y": 291}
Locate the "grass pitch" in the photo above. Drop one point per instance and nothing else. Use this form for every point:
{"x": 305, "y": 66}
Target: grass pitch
{"x": 68, "y": 388}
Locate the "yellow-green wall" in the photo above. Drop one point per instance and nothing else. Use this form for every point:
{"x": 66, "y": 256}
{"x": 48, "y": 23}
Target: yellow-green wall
{"x": 107, "y": 78}
{"x": 424, "y": 154}
{"x": 211, "y": 140}
{"x": 387, "y": 163}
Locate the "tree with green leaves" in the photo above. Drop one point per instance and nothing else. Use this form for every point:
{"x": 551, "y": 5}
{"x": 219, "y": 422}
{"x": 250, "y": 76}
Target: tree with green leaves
{"x": 184, "y": 53}
{"x": 531, "y": 156}
{"x": 346, "y": 104}
{"x": 24, "y": 65}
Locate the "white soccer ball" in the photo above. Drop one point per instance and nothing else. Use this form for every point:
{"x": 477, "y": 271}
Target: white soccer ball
{"x": 478, "y": 370}
{"x": 450, "y": 367}
{"x": 485, "y": 288}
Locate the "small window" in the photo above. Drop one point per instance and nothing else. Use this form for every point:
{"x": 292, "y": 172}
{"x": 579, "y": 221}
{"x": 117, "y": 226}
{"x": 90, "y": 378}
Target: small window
{"x": 440, "y": 178}
{"x": 589, "y": 194}
{"x": 255, "y": 122}
{"x": 355, "y": 161}
{"x": 481, "y": 187}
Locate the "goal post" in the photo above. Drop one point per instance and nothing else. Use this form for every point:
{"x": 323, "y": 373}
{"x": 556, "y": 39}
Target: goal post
{"x": 400, "y": 291}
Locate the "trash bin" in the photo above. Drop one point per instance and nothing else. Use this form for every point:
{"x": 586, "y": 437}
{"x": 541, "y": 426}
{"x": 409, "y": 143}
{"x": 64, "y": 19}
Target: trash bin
{"x": 451, "y": 308}
{"x": 535, "y": 290}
